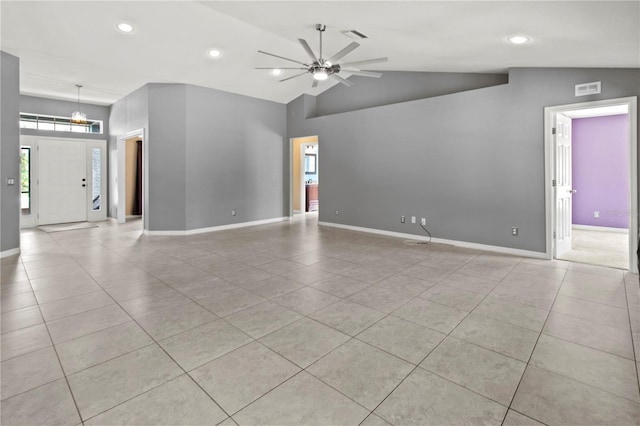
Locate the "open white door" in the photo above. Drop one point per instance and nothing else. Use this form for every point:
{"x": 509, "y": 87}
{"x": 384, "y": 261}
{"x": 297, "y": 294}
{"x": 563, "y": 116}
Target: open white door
{"x": 562, "y": 179}
{"x": 62, "y": 176}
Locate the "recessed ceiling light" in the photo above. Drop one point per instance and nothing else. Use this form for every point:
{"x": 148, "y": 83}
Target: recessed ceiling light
{"x": 276, "y": 71}
{"x": 519, "y": 39}
{"x": 215, "y": 53}
{"x": 124, "y": 27}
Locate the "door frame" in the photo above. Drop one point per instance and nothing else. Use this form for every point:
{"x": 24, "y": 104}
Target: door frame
{"x": 33, "y": 142}
{"x": 292, "y": 141}
{"x": 303, "y": 180}
{"x": 549, "y": 162}
{"x": 120, "y": 184}
{"x": 31, "y": 220}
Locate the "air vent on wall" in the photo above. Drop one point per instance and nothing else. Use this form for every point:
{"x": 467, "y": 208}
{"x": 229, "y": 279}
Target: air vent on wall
{"x": 355, "y": 34}
{"x": 592, "y": 88}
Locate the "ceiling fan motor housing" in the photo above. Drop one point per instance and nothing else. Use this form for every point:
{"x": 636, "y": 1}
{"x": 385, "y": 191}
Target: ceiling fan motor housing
{"x": 316, "y": 67}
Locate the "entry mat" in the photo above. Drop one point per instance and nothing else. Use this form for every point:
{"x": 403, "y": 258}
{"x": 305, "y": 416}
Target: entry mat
{"x": 67, "y": 226}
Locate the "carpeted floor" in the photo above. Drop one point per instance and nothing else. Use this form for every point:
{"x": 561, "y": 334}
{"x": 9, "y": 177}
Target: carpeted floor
{"x": 603, "y": 248}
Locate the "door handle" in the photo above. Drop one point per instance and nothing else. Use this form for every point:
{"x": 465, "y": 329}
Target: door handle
{"x": 573, "y": 191}
{"x": 83, "y": 185}
{"x": 84, "y": 180}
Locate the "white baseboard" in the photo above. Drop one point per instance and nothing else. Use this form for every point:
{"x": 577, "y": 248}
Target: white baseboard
{"x": 8, "y": 253}
{"x": 464, "y": 244}
{"x": 600, "y": 228}
{"x": 218, "y": 228}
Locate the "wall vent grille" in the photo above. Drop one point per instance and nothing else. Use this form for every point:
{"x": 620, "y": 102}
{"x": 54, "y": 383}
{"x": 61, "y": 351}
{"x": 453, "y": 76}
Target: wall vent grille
{"x": 355, "y": 34}
{"x": 592, "y": 88}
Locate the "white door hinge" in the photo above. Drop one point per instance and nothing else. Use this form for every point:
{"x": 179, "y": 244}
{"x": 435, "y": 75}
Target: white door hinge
{"x": 553, "y": 182}
{"x": 553, "y": 130}
{"x": 554, "y": 235}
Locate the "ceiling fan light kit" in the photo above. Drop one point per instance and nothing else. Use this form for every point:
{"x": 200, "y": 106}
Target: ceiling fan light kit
{"x": 320, "y": 75}
{"x": 321, "y": 69}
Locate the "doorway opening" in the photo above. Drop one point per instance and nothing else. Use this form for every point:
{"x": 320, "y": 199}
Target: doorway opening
{"x": 591, "y": 182}
{"x": 133, "y": 178}
{"x": 130, "y": 200}
{"x": 304, "y": 176}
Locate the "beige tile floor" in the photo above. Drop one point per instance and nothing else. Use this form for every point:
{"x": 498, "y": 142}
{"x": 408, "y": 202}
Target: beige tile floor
{"x": 293, "y": 324}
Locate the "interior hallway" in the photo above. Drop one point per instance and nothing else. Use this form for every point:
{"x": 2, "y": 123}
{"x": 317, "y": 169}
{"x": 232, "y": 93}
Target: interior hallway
{"x": 291, "y": 323}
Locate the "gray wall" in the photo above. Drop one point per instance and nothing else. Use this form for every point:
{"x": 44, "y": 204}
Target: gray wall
{"x": 207, "y": 152}
{"x": 36, "y": 105}
{"x": 399, "y": 86}
{"x": 129, "y": 114}
{"x": 9, "y": 152}
{"x": 470, "y": 162}
{"x": 235, "y": 152}
{"x": 166, "y": 157}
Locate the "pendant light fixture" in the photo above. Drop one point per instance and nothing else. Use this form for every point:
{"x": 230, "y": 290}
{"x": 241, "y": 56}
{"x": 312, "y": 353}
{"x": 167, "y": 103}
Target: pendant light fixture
{"x": 79, "y": 117}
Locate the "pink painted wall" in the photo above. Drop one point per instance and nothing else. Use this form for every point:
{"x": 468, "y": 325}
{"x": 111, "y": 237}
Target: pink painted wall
{"x": 601, "y": 171}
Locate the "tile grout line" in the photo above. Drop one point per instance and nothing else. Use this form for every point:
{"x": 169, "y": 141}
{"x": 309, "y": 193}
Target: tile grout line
{"x": 591, "y": 348}
{"x": 534, "y": 348}
{"x": 438, "y": 345}
{"x": 154, "y": 343}
{"x": 55, "y": 350}
{"x": 633, "y": 346}
{"x": 325, "y": 355}
{"x": 307, "y": 316}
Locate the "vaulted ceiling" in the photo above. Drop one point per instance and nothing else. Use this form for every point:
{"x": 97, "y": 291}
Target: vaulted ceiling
{"x": 64, "y": 43}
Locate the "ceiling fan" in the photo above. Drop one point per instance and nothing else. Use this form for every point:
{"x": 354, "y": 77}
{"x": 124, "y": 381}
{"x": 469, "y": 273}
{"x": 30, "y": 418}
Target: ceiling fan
{"x": 322, "y": 68}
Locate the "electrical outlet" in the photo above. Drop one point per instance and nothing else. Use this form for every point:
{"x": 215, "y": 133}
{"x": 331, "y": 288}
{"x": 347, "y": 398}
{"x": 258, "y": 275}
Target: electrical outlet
{"x": 514, "y": 231}
{"x": 403, "y": 219}
{"x": 423, "y": 221}
{"x": 11, "y": 181}
{"x": 596, "y": 214}
{"x": 233, "y": 212}
{"x": 413, "y": 219}
{"x": 337, "y": 212}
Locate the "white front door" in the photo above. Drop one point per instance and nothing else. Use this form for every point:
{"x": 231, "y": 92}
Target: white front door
{"x": 563, "y": 189}
{"x": 62, "y": 176}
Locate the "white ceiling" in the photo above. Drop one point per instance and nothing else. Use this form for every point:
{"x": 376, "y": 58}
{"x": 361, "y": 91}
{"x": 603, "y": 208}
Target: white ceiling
{"x": 61, "y": 44}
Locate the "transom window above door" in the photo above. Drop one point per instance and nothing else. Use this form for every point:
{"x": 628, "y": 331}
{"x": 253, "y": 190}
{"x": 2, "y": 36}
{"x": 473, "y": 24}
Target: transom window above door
{"x": 58, "y": 124}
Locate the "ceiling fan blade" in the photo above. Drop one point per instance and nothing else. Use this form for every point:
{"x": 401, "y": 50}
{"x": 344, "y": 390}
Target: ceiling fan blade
{"x": 307, "y": 49}
{"x": 282, "y": 57}
{"x": 350, "y": 47}
{"x": 365, "y": 62}
{"x": 278, "y": 68}
{"x": 341, "y": 80}
{"x": 314, "y": 84}
{"x": 365, "y": 73}
{"x": 293, "y": 76}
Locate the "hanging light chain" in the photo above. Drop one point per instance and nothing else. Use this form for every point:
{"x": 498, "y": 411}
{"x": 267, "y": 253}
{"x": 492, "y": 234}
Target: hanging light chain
{"x": 78, "y": 116}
